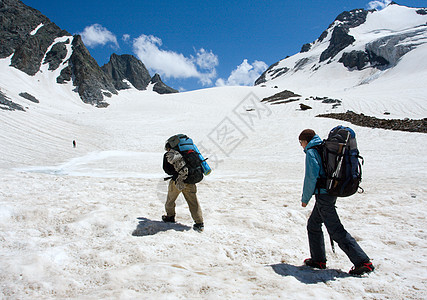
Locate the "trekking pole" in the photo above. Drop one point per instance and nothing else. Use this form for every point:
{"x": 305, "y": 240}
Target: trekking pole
{"x": 332, "y": 244}
{"x": 338, "y": 169}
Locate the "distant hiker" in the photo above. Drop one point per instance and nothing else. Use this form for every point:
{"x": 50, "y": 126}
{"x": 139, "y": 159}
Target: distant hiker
{"x": 182, "y": 180}
{"x": 74, "y": 144}
{"x": 324, "y": 212}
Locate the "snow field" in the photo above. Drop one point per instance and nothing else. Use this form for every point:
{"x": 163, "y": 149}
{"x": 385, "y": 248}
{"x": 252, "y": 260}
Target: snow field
{"x": 85, "y": 222}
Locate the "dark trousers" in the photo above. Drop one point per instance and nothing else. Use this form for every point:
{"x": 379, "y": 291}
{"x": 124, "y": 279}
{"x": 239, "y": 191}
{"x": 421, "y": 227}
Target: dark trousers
{"x": 324, "y": 212}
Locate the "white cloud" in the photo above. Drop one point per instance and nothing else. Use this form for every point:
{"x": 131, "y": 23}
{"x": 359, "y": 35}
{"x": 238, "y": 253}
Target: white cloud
{"x": 95, "y": 35}
{"x": 206, "y": 60}
{"x": 126, "y": 37}
{"x": 244, "y": 74}
{"x": 378, "y": 5}
{"x": 175, "y": 65}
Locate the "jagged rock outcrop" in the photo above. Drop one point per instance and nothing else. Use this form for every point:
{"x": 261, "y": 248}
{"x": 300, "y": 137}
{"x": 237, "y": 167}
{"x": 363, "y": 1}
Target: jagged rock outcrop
{"x": 160, "y": 87}
{"x": 273, "y": 72}
{"x": 28, "y": 36}
{"x": 340, "y": 38}
{"x": 7, "y": 104}
{"x": 56, "y": 55}
{"x": 368, "y": 44}
{"x": 18, "y": 23}
{"x": 121, "y": 67}
{"x": 354, "y": 59}
{"x": 285, "y": 96}
{"x": 89, "y": 79}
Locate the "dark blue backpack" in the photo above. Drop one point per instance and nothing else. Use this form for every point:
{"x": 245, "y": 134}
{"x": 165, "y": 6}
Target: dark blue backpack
{"x": 191, "y": 155}
{"x": 341, "y": 162}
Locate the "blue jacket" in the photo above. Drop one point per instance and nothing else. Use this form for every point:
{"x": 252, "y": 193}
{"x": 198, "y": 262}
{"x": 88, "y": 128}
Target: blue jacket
{"x": 313, "y": 170}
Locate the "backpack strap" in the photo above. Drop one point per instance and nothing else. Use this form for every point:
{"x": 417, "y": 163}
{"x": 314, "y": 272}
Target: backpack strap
{"x": 321, "y": 180}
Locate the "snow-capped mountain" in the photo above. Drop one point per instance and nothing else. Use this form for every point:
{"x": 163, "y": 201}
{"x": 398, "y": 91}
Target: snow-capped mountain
{"x": 46, "y": 54}
{"x": 359, "y": 48}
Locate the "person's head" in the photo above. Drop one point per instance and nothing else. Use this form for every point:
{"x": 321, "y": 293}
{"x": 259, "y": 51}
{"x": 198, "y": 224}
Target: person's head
{"x": 305, "y": 137}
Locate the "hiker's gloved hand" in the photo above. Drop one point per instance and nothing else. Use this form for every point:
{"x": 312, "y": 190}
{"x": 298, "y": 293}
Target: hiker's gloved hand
{"x": 303, "y": 204}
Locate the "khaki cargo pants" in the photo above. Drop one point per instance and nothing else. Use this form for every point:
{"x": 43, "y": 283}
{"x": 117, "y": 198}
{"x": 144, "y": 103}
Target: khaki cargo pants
{"x": 190, "y": 195}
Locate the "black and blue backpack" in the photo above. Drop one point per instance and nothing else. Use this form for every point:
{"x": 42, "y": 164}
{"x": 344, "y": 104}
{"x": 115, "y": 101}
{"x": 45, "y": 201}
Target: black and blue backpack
{"x": 341, "y": 162}
{"x": 192, "y": 157}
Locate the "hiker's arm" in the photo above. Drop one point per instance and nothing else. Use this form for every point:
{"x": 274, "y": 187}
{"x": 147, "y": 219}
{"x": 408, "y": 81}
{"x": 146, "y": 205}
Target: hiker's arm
{"x": 312, "y": 169}
{"x": 303, "y": 204}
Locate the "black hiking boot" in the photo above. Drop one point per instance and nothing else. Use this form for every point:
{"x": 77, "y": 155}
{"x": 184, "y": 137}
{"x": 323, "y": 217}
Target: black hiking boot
{"x": 315, "y": 264}
{"x": 167, "y": 219}
{"x": 364, "y": 268}
{"x": 199, "y": 227}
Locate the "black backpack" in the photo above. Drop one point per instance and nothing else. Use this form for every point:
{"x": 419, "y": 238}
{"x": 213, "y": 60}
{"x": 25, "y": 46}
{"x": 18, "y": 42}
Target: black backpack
{"x": 186, "y": 147}
{"x": 340, "y": 160}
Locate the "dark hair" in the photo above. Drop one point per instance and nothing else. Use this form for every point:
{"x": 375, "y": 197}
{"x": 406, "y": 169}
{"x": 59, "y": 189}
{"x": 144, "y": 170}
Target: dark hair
{"x": 306, "y": 135}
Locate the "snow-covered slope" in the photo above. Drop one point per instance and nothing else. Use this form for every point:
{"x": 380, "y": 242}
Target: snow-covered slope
{"x": 67, "y": 214}
{"x": 361, "y": 52}
{"x": 85, "y": 223}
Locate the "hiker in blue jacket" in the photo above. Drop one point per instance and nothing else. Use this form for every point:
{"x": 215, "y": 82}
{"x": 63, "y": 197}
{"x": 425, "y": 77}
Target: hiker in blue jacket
{"x": 324, "y": 212}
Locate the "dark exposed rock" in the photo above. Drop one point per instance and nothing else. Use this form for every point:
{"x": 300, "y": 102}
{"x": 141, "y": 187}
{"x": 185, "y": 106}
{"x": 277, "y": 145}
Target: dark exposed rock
{"x": 372, "y": 122}
{"x": 17, "y": 23}
{"x": 30, "y": 97}
{"x": 89, "y": 79}
{"x": 56, "y": 55}
{"x": 301, "y": 63}
{"x": 127, "y": 67}
{"x": 160, "y": 87}
{"x": 354, "y": 59}
{"x": 284, "y": 95}
{"x": 376, "y": 60}
{"x": 65, "y": 75}
{"x": 7, "y": 104}
{"x": 353, "y": 18}
{"x": 262, "y": 78}
{"x": 340, "y": 39}
{"x": 304, "y": 107}
{"x": 422, "y": 11}
{"x": 28, "y": 47}
{"x": 305, "y": 48}
{"x": 279, "y": 72}
{"x": 323, "y": 36}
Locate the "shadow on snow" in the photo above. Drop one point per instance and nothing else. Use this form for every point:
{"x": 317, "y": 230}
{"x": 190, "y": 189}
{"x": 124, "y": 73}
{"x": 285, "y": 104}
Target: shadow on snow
{"x": 150, "y": 227}
{"x": 308, "y": 275}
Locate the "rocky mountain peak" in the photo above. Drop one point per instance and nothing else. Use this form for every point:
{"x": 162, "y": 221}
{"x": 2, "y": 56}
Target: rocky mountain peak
{"x": 26, "y": 34}
{"x": 32, "y": 40}
{"x": 160, "y": 87}
{"x": 349, "y": 45}
{"x": 121, "y": 67}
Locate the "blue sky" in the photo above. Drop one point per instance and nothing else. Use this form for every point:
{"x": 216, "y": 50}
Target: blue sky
{"x": 197, "y": 44}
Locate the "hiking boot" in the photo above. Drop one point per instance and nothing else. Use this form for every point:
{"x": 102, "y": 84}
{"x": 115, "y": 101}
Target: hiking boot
{"x": 315, "y": 264}
{"x": 199, "y": 227}
{"x": 167, "y": 219}
{"x": 364, "y": 268}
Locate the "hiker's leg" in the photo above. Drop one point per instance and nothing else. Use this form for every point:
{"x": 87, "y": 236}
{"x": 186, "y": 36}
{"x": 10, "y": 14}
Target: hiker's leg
{"x": 173, "y": 193}
{"x": 190, "y": 195}
{"x": 337, "y": 232}
{"x": 315, "y": 236}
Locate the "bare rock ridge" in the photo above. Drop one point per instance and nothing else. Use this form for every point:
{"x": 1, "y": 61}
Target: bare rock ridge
{"x": 31, "y": 40}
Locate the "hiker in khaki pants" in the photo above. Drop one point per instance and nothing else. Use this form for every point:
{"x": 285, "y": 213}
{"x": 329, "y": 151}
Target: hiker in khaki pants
{"x": 190, "y": 196}
{"x": 175, "y": 165}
